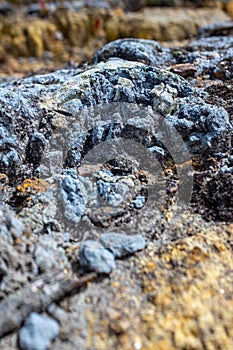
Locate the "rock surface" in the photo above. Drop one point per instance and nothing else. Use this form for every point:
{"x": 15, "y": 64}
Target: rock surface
{"x": 121, "y": 245}
{"x": 38, "y": 332}
{"x": 93, "y": 154}
{"x": 93, "y": 256}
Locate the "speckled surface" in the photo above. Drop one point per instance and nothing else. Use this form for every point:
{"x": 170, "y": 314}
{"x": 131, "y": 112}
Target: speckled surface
{"x": 176, "y": 293}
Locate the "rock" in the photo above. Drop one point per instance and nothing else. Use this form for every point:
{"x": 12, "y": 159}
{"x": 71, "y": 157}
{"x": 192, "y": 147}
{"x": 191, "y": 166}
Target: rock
{"x": 139, "y": 202}
{"x": 106, "y": 215}
{"x": 71, "y": 117}
{"x": 79, "y": 108}
{"x": 38, "y": 332}
{"x": 10, "y": 227}
{"x": 185, "y": 69}
{"x": 211, "y": 52}
{"x": 73, "y": 194}
{"x": 164, "y": 97}
{"x": 106, "y": 4}
{"x": 113, "y": 193}
{"x": 138, "y": 50}
{"x": 161, "y": 90}
{"x": 216, "y": 29}
{"x": 123, "y": 166}
{"x": 163, "y": 2}
{"x": 35, "y": 148}
{"x": 10, "y": 159}
{"x": 219, "y": 196}
{"x": 48, "y": 255}
{"x": 86, "y": 87}
{"x": 121, "y": 244}
{"x": 94, "y": 257}
{"x": 25, "y": 255}
{"x": 14, "y": 261}
{"x": 201, "y": 124}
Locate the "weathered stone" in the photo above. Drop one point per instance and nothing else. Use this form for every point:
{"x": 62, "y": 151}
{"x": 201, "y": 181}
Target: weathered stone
{"x": 203, "y": 122}
{"x": 74, "y": 198}
{"x": 138, "y": 50}
{"x": 10, "y": 227}
{"x": 184, "y": 272}
{"x": 94, "y": 257}
{"x": 121, "y": 244}
{"x": 139, "y": 202}
{"x": 38, "y": 332}
{"x": 216, "y": 29}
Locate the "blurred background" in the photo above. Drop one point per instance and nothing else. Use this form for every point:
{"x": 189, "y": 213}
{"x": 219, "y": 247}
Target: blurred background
{"x": 42, "y": 35}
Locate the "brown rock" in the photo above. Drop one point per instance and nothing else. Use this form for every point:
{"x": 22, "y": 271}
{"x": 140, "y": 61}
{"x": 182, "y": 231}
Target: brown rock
{"x": 185, "y": 69}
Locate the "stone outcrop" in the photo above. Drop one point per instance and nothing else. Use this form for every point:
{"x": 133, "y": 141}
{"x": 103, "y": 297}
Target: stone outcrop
{"x": 122, "y": 166}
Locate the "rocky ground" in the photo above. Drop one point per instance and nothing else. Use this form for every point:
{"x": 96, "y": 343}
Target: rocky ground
{"x": 42, "y": 38}
{"x": 116, "y": 208}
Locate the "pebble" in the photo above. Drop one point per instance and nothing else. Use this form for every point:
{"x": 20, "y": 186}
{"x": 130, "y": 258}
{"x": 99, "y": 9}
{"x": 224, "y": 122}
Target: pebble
{"x": 122, "y": 244}
{"x": 139, "y": 202}
{"x": 184, "y": 69}
{"x": 38, "y": 332}
{"x": 94, "y": 257}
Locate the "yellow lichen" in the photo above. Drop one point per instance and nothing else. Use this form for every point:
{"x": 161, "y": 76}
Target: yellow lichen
{"x": 32, "y": 186}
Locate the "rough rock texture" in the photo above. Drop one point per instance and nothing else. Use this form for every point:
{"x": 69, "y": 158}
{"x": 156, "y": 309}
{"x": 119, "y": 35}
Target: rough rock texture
{"x": 38, "y": 332}
{"x": 166, "y": 101}
{"x": 121, "y": 245}
{"x": 93, "y": 256}
{"x": 138, "y": 50}
{"x": 92, "y": 155}
{"x": 23, "y": 255}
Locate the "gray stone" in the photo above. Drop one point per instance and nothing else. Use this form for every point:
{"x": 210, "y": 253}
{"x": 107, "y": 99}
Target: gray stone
{"x": 100, "y": 83}
{"x": 10, "y": 227}
{"x": 216, "y": 29}
{"x": 94, "y": 257}
{"x": 73, "y": 197}
{"x": 113, "y": 193}
{"x": 10, "y": 147}
{"x": 139, "y": 202}
{"x": 38, "y": 332}
{"x": 164, "y": 98}
{"x": 200, "y": 124}
{"x": 122, "y": 244}
{"x": 225, "y": 169}
{"x": 212, "y": 56}
{"x": 133, "y": 5}
{"x": 137, "y": 50}
{"x": 49, "y": 255}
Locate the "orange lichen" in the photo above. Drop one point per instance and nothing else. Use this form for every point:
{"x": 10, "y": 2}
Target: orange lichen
{"x": 33, "y": 186}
